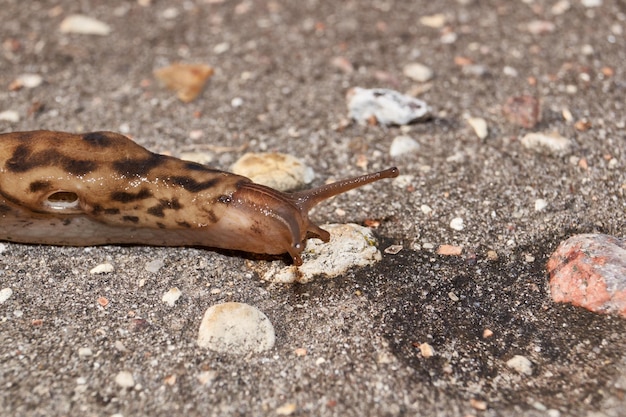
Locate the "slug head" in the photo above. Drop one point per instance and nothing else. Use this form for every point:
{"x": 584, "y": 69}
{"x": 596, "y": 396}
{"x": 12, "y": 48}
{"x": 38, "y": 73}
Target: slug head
{"x": 263, "y": 220}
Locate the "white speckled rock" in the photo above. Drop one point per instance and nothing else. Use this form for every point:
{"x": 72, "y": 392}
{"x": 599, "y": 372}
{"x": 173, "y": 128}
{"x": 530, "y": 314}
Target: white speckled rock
{"x": 350, "y": 246}
{"x": 280, "y": 171}
{"x": 105, "y": 268}
{"x": 387, "y": 107}
{"x": 236, "y": 328}
{"x": 84, "y": 25}
{"x": 550, "y": 143}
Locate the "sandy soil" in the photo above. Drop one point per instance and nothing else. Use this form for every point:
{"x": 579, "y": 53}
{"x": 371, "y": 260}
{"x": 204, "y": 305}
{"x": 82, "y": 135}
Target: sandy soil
{"x": 361, "y": 332}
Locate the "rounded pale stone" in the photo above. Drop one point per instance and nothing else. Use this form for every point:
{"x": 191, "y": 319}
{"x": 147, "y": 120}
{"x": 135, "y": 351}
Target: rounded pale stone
{"x": 236, "y": 328}
{"x": 276, "y": 170}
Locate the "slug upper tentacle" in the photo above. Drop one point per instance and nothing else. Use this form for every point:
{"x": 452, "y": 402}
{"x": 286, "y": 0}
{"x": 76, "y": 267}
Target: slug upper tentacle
{"x": 102, "y": 188}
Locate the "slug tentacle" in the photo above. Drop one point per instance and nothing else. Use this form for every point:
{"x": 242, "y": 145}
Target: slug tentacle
{"x": 102, "y": 188}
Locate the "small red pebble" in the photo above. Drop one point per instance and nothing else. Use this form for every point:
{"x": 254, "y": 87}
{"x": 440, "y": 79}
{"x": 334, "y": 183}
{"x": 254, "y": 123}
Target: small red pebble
{"x": 589, "y": 270}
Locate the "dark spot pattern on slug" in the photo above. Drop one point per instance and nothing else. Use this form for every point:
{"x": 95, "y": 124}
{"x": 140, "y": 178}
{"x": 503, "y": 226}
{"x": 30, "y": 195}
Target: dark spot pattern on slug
{"x": 23, "y": 159}
{"x": 126, "y": 197}
{"x": 99, "y": 139}
{"x": 183, "y": 224}
{"x": 256, "y": 229}
{"x": 4, "y": 209}
{"x": 67, "y": 222}
{"x": 161, "y": 225}
{"x": 39, "y": 186}
{"x": 78, "y": 167}
{"x": 211, "y": 214}
{"x": 191, "y": 185}
{"x": 131, "y": 219}
{"x": 138, "y": 167}
{"x": 225, "y": 199}
{"x": 158, "y": 210}
{"x": 18, "y": 161}
{"x": 193, "y": 166}
{"x": 112, "y": 211}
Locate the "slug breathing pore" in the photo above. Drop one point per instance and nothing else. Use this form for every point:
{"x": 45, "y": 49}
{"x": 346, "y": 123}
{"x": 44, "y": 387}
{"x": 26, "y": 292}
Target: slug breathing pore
{"x": 102, "y": 188}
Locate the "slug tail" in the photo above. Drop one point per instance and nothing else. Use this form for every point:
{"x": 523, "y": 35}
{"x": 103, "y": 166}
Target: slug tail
{"x": 306, "y": 200}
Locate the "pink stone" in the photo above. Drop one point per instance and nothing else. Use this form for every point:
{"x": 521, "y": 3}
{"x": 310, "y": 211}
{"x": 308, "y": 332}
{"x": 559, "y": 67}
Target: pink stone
{"x": 589, "y": 271}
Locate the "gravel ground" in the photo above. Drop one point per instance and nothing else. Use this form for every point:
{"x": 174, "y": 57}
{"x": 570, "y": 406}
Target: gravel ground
{"x": 419, "y": 333}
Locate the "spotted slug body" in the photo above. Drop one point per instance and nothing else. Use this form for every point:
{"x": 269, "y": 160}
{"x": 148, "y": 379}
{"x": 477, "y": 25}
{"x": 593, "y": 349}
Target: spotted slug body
{"x": 102, "y": 188}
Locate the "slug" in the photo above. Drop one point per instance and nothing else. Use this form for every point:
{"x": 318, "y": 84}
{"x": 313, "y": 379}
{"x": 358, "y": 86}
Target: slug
{"x": 99, "y": 188}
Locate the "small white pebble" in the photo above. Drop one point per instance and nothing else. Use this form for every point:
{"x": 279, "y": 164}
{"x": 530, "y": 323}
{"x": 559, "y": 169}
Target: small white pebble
{"x": 206, "y": 377}
{"x": 320, "y": 361}
{"x": 154, "y": 265}
{"x": 102, "y": 269}
{"x": 426, "y": 350}
{"x": 479, "y": 125}
{"x": 403, "y": 181}
{"x": 220, "y": 48}
{"x": 171, "y": 296}
{"x": 452, "y": 296}
{"x": 125, "y": 379}
{"x": 10, "y": 116}
{"x": 286, "y": 409}
{"x": 587, "y": 49}
{"x": 551, "y": 143}
{"x": 510, "y": 71}
{"x": 84, "y": 352}
{"x": 449, "y": 38}
{"x": 30, "y": 80}
{"x": 560, "y": 7}
{"x": 591, "y": 3}
{"x": 520, "y": 364}
{"x": 528, "y": 258}
{"x": 170, "y": 13}
{"x": 540, "y": 204}
{"x": 426, "y": 209}
{"x": 393, "y": 249}
{"x": 236, "y": 102}
{"x": 418, "y": 72}
{"x": 403, "y": 145}
{"x": 457, "y": 224}
{"x": 84, "y": 25}
{"x": 434, "y": 21}
{"x": 5, "y": 294}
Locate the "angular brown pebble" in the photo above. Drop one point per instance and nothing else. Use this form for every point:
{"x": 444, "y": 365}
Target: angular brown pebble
{"x": 450, "y": 250}
{"x": 522, "y": 110}
{"x": 589, "y": 270}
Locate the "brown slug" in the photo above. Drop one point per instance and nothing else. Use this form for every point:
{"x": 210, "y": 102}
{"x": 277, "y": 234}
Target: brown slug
{"x": 100, "y": 188}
